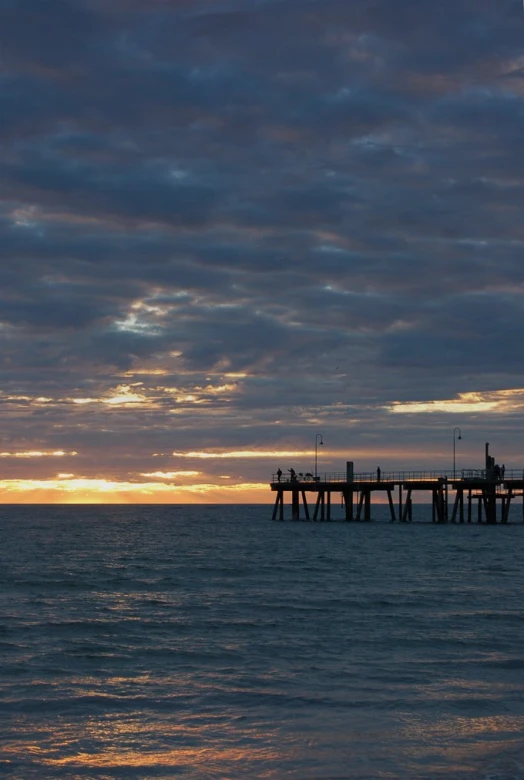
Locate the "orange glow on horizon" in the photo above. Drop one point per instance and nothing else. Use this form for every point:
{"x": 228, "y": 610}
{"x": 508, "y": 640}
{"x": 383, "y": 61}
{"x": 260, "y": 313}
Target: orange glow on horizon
{"x": 78, "y": 490}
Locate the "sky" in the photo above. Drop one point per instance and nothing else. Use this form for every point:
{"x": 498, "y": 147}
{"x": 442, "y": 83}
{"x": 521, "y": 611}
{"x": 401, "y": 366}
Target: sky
{"x": 231, "y": 226}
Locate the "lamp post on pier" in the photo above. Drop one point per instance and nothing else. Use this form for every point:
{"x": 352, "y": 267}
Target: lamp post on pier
{"x": 455, "y": 438}
{"x": 317, "y": 442}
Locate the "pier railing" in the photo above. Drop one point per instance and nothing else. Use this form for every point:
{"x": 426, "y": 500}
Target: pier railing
{"x": 399, "y": 476}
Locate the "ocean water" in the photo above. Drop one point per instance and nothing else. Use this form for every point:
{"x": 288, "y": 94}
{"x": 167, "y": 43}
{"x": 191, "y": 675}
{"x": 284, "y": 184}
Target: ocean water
{"x": 210, "y": 642}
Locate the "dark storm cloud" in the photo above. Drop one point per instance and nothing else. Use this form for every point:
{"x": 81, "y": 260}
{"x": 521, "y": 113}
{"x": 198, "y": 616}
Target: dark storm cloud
{"x": 55, "y": 34}
{"x": 323, "y": 196}
{"x": 143, "y": 192}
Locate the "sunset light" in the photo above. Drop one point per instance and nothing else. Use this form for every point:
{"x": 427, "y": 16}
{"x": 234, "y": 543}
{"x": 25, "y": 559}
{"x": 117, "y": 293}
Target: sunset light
{"x": 320, "y": 253}
{"x": 262, "y": 389}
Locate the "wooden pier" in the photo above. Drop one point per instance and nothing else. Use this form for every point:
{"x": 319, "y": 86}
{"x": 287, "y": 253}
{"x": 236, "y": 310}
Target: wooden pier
{"x": 482, "y": 496}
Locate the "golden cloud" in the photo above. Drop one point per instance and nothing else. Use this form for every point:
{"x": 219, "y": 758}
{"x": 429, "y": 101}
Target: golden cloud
{"x": 499, "y": 401}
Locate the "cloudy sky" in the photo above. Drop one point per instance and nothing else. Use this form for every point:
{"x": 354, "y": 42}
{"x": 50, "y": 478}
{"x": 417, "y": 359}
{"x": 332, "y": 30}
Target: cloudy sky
{"x": 230, "y": 225}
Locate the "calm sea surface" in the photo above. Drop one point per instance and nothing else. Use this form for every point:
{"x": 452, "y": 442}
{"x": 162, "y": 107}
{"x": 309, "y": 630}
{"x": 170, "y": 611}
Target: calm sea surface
{"x": 211, "y": 642}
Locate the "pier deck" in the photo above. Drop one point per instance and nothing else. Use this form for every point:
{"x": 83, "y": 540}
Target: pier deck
{"x": 453, "y": 495}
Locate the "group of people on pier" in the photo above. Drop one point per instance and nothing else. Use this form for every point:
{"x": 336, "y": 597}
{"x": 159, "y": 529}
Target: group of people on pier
{"x": 293, "y": 475}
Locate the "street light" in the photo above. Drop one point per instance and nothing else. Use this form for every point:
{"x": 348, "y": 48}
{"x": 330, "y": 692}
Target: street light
{"x": 458, "y": 438}
{"x": 317, "y": 442}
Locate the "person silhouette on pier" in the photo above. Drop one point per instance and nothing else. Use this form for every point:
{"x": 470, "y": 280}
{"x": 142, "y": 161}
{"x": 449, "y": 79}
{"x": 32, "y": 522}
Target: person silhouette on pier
{"x": 502, "y": 472}
{"x": 292, "y": 475}
{"x": 279, "y": 475}
{"x": 378, "y": 473}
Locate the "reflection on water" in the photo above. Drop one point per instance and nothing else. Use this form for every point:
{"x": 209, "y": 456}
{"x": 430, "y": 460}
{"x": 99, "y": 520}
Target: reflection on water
{"x": 136, "y": 740}
{"x": 457, "y": 743}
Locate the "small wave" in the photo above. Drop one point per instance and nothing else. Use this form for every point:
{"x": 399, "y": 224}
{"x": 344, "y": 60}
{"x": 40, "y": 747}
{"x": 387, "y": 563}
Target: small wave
{"x": 509, "y": 663}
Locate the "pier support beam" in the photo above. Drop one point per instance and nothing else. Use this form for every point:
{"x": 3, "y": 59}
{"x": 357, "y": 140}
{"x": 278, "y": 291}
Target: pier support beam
{"x": 439, "y": 504}
{"x": 295, "y": 505}
{"x": 319, "y": 505}
{"x": 407, "y": 505}
{"x": 304, "y": 501}
{"x": 367, "y": 506}
{"x": 360, "y": 502}
{"x": 279, "y": 505}
{"x": 490, "y": 504}
{"x": 458, "y": 504}
{"x": 348, "y": 504}
{"x": 391, "y": 506}
{"x": 506, "y": 503}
